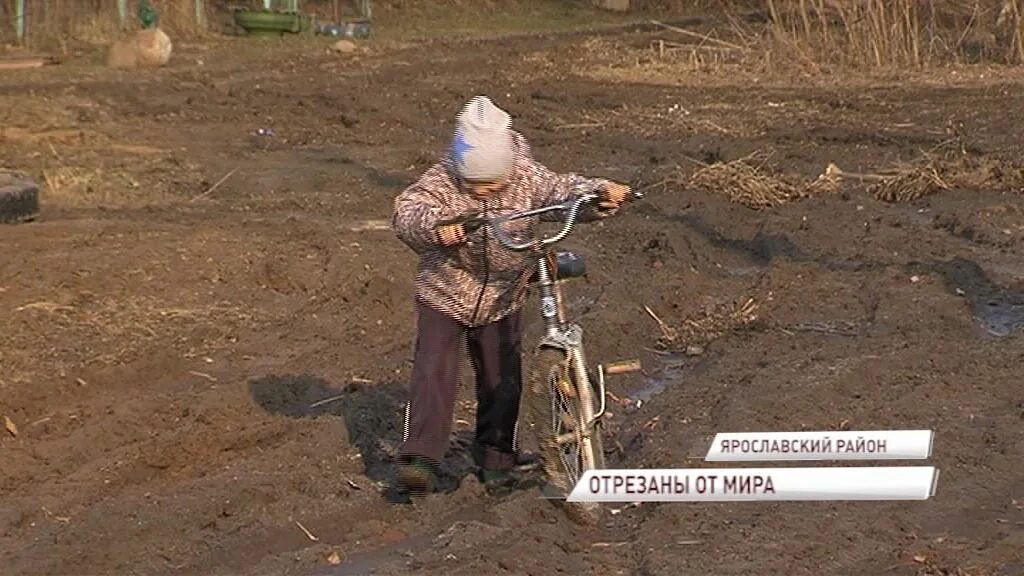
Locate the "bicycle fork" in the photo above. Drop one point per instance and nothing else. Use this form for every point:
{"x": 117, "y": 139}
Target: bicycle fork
{"x": 569, "y": 338}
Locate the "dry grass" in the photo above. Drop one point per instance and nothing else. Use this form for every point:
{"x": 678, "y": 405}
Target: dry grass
{"x": 973, "y": 173}
{"x": 709, "y": 324}
{"x": 824, "y": 36}
{"x": 948, "y": 166}
{"x": 745, "y": 181}
{"x": 897, "y": 33}
{"x": 915, "y": 183}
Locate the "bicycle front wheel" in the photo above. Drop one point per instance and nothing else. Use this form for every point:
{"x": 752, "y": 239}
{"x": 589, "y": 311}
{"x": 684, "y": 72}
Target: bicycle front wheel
{"x": 554, "y": 403}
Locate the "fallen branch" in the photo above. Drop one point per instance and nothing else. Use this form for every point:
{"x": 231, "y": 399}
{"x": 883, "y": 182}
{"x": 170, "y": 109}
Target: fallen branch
{"x": 371, "y": 225}
{"x": 580, "y": 125}
{"x": 623, "y": 367}
{"x": 667, "y": 331}
{"x": 47, "y": 306}
{"x": 327, "y": 400}
{"x": 703, "y": 37}
{"x": 23, "y": 63}
{"x": 307, "y": 532}
{"x": 215, "y": 186}
{"x": 836, "y": 171}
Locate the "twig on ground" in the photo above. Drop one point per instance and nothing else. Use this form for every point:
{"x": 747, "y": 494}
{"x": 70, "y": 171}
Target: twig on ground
{"x": 215, "y": 186}
{"x": 61, "y": 519}
{"x": 667, "y": 331}
{"x": 47, "y": 306}
{"x": 307, "y": 532}
{"x": 703, "y": 37}
{"x": 327, "y": 400}
{"x": 580, "y": 125}
{"x": 371, "y": 225}
{"x": 609, "y": 544}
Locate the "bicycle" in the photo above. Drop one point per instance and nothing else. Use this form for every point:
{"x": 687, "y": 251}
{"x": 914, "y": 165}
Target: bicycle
{"x": 565, "y": 403}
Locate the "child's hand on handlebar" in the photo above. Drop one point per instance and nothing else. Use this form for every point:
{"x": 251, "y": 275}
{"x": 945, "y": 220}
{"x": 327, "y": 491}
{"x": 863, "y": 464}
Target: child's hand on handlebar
{"x": 454, "y": 231}
{"x": 613, "y": 195}
{"x": 450, "y": 234}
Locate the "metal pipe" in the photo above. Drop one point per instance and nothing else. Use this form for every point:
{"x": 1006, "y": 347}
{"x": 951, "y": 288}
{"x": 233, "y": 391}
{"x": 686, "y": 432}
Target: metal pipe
{"x": 548, "y": 304}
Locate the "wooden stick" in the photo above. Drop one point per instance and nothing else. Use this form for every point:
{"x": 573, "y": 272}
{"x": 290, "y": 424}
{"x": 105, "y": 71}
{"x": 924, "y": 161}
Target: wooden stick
{"x": 580, "y": 125}
{"x": 623, "y": 367}
{"x": 704, "y": 37}
{"x": 215, "y": 186}
{"x": 326, "y": 400}
{"x": 308, "y": 533}
{"x": 23, "y": 63}
{"x": 202, "y": 375}
{"x": 833, "y": 170}
{"x": 371, "y": 225}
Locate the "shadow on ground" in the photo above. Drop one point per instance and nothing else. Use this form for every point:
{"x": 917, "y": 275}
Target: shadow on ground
{"x": 373, "y": 416}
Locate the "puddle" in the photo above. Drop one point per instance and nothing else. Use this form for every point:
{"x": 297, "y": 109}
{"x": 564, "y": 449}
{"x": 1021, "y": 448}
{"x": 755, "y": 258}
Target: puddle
{"x": 1001, "y": 315}
{"x": 1000, "y": 311}
{"x": 669, "y": 372}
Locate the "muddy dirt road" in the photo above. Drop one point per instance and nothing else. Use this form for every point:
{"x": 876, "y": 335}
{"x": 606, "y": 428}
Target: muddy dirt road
{"x": 162, "y": 342}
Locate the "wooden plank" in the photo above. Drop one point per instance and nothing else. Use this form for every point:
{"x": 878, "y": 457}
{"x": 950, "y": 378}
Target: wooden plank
{"x": 616, "y": 5}
{"x": 24, "y": 63}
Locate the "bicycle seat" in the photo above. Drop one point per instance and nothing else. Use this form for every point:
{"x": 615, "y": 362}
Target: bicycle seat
{"x": 568, "y": 265}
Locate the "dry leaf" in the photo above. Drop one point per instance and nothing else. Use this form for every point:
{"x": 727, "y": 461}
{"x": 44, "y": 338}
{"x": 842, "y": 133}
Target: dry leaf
{"x": 334, "y": 558}
{"x": 10, "y": 426}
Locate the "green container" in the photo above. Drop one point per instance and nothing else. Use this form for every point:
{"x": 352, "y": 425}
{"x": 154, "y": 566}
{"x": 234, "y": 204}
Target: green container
{"x": 271, "y": 23}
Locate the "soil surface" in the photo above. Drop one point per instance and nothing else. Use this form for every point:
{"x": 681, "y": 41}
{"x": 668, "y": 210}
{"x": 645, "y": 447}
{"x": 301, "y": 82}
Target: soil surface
{"x": 193, "y": 285}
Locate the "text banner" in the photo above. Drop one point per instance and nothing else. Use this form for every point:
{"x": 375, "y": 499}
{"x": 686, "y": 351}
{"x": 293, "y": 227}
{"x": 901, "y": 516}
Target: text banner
{"x": 829, "y": 445}
{"x": 767, "y": 484}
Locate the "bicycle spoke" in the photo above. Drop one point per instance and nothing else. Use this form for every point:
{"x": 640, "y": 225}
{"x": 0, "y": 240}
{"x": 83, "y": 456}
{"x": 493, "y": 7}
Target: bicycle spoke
{"x": 566, "y": 438}
{"x": 564, "y": 425}
{"x": 567, "y": 421}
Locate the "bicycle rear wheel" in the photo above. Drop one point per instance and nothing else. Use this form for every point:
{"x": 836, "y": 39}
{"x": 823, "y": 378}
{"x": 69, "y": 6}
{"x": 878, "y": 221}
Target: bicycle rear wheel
{"x": 554, "y": 407}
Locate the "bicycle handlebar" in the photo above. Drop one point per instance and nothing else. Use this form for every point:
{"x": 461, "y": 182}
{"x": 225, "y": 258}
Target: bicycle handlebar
{"x": 572, "y": 206}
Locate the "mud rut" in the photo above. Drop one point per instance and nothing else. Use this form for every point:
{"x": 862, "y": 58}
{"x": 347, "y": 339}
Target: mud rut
{"x": 165, "y": 389}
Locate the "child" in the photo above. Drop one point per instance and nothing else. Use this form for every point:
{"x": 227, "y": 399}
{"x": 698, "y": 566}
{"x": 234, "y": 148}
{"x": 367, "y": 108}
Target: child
{"x": 472, "y": 288}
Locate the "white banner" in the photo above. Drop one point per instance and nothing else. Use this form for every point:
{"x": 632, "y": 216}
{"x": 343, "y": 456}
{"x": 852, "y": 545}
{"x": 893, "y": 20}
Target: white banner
{"x": 761, "y": 484}
{"x": 829, "y": 445}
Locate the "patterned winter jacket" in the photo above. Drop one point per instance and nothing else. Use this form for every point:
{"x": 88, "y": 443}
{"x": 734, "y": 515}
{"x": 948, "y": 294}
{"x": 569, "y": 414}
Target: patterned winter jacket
{"x": 461, "y": 281}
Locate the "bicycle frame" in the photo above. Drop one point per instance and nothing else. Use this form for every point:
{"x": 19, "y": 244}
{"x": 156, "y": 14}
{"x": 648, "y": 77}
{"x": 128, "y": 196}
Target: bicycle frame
{"x": 558, "y": 333}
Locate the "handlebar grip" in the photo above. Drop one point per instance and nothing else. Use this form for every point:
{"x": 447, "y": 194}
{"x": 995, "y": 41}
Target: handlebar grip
{"x": 473, "y": 224}
{"x": 470, "y": 222}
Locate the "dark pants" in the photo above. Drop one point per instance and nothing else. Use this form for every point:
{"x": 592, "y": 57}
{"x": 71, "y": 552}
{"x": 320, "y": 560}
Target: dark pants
{"x": 495, "y": 351}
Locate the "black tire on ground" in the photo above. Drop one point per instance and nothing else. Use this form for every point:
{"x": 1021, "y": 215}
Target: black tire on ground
{"x": 19, "y": 197}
